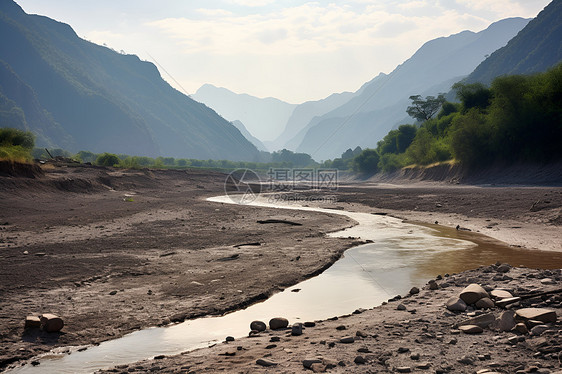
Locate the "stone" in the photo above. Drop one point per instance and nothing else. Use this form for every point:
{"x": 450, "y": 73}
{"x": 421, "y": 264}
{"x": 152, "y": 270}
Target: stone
{"x": 308, "y": 363}
{"x": 471, "y": 329}
{"x": 265, "y": 363}
{"x": 309, "y": 324}
{"x": 414, "y": 291}
{"x": 506, "y": 322}
{"x": 547, "y": 281}
{"x": 537, "y": 314}
{"x": 500, "y": 294}
{"x": 433, "y": 285}
{"x": 32, "y": 322}
{"x": 503, "y": 268}
{"x": 347, "y": 340}
{"x": 538, "y": 330}
{"x": 360, "y": 360}
{"x": 482, "y": 321}
{"x": 485, "y": 303}
{"x": 401, "y": 307}
{"x": 296, "y": 329}
{"x": 455, "y": 304}
{"x": 258, "y": 326}
{"x": 318, "y": 368}
{"x": 404, "y": 369}
{"x": 472, "y": 293}
{"x": 278, "y": 323}
{"x": 51, "y": 323}
{"x": 521, "y": 328}
{"x": 229, "y": 339}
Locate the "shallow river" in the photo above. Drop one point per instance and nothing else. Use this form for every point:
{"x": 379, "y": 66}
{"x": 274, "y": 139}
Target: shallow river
{"x": 401, "y": 256}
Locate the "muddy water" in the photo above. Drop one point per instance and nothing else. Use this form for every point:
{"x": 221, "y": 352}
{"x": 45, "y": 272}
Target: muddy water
{"x": 401, "y": 256}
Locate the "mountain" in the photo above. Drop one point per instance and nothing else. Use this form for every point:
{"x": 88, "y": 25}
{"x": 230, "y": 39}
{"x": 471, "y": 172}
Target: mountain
{"x": 264, "y": 118}
{"x": 255, "y": 141}
{"x": 81, "y": 96}
{"x": 535, "y": 49}
{"x": 381, "y": 104}
{"x": 303, "y": 114}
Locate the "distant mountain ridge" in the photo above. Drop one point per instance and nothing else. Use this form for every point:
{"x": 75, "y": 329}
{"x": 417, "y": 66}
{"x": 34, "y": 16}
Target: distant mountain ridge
{"x": 534, "y": 49}
{"x": 265, "y": 118}
{"x": 381, "y": 103}
{"x": 81, "y": 96}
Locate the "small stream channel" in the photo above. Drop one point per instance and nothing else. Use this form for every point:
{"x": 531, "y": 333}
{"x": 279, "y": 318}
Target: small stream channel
{"x": 401, "y": 256}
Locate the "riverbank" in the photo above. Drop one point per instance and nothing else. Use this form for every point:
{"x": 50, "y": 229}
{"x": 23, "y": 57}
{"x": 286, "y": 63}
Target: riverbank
{"x": 412, "y": 333}
{"x": 113, "y": 251}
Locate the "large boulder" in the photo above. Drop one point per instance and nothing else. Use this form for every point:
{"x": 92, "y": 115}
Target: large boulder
{"x": 51, "y": 323}
{"x": 537, "y": 314}
{"x": 507, "y": 321}
{"x": 472, "y": 293}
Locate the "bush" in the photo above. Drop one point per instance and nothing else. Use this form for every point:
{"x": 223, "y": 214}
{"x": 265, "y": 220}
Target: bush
{"x": 107, "y": 159}
{"x": 16, "y": 145}
{"x": 367, "y": 161}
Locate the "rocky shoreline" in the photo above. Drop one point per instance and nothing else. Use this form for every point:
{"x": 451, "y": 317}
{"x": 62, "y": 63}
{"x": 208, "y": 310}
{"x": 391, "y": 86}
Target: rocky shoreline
{"x": 410, "y": 333}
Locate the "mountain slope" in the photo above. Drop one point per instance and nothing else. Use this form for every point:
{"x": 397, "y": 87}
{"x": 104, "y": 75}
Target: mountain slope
{"x": 536, "y": 48}
{"x": 382, "y": 102}
{"x": 264, "y": 118}
{"x": 244, "y": 131}
{"x": 105, "y": 101}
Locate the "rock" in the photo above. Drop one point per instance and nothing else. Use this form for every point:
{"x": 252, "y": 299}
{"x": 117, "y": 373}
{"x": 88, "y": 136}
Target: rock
{"x": 538, "y": 330}
{"x": 414, "y": 291}
{"x": 296, "y": 329}
{"x": 507, "y": 320}
{"x": 360, "y": 360}
{"x": 482, "y": 321}
{"x": 51, "y": 323}
{"x": 32, "y": 322}
{"x": 229, "y": 339}
{"x": 347, "y": 340}
{"x": 403, "y": 350}
{"x": 278, "y": 323}
{"x": 433, "y": 285}
{"x": 275, "y": 339}
{"x": 500, "y": 294}
{"x": 258, "y": 326}
{"x": 265, "y": 363}
{"x": 423, "y": 366}
{"x": 484, "y": 303}
{"x": 404, "y": 369}
{"x": 537, "y": 314}
{"x": 308, "y": 363}
{"x": 521, "y": 328}
{"x": 309, "y": 324}
{"x": 472, "y": 293}
{"x": 401, "y": 307}
{"x": 113, "y": 293}
{"x": 503, "y": 268}
{"x": 548, "y": 281}
{"x": 466, "y": 360}
{"x": 318, "y": 368}
{"x": 456, "y": 304}
{"x": 415, "y": 356}
{"x": 471, "y": 329}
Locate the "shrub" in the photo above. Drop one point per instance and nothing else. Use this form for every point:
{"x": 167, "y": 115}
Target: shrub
{"x": 107, "y": 159}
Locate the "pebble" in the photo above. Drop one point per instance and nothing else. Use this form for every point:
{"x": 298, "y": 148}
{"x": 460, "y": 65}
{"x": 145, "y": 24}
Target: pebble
{"x": 538, "y": 330}
{"x": 433, "y": 285}
{"x": 507, "y": 320}
{"x": 360, "y": 360}
{"x": 401, "y": 307}
{"x": 500, "y": 294}
{"x": 308, "y": 363}
{"x": 229, "y": 338}
{"x": 414, "y": 291}
{"x": 455, "y": 304}
{"x": 404, "y": 369}
{"x": 51, "y": 323}
{"x": 32, "y": 322}
{"x": 471, "y": 329}
{"x": 472, "y": 293}
{"x": 347, "y": 340}
{"x": 265, "y": 363}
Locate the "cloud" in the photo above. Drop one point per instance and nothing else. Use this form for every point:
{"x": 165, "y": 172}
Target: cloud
{"x": 250, "y": 3}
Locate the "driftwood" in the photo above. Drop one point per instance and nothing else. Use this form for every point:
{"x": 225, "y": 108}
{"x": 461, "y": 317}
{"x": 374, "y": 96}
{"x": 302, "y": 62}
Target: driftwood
{"x": 280, "y": 221}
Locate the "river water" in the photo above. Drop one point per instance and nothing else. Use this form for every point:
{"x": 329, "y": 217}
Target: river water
{"x": 401, "y": 256}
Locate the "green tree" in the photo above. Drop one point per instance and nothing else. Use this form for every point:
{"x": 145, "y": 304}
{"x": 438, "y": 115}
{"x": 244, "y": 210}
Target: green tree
{"x": 107, "y": 159}
{"x": 474, "y": 95}
{"x": 425, "y": 109}
{"x": 367, "y": 161}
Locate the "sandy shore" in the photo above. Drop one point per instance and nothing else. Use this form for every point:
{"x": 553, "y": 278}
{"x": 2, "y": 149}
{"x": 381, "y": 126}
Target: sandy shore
{"x": 116, "y": 251}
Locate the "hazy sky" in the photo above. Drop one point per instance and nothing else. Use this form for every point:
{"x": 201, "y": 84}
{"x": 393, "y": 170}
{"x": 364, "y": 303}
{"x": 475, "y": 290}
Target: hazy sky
{"x": 289, "y": 49}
